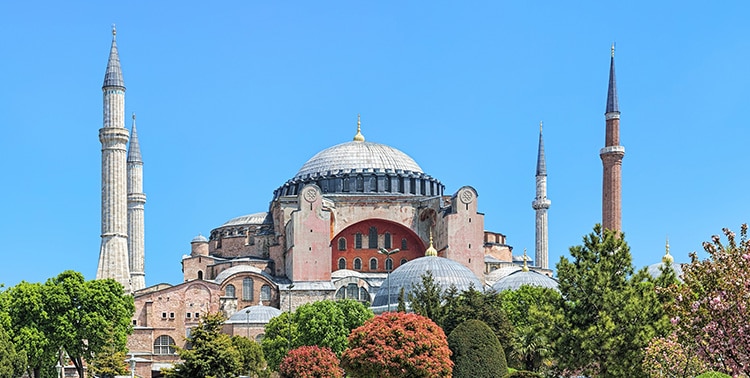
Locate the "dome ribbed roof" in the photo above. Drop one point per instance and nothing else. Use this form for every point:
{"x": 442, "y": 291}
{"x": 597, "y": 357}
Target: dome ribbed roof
{"x": 357, "y": 156}
{"x": 654, "y": 270}
{"x": 445, "y": 272}
{"x": 257, "y": 218}
{"x": 258, "y": 314}
{"x": 515, "y": 280}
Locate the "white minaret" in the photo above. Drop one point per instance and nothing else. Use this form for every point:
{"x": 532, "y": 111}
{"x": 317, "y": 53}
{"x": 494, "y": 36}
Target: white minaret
{"x": 136, "y": 200}
{"x": 540, "y": 205}
{"x": 113, "y": 256}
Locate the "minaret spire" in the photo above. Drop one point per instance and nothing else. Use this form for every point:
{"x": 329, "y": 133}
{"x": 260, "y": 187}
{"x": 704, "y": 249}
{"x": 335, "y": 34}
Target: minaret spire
{"x": 540, "y": 204}
{"x": 611, "y": 156}
{"x": 136, "y": 202}
{"x": 113, "y": 255}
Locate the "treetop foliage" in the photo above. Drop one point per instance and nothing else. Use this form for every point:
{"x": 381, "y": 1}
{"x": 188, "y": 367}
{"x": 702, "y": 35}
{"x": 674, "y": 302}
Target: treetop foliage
{"x": 310, "y": 362}
{"x": 476, "y": 351}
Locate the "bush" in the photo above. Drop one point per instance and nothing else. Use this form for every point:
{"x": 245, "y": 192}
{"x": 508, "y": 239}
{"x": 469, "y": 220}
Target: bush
{"x": 523, "y": 374}
{"x": 476, "y": 351}
{"x": 395, "y": 345}
{"x": 713, "y": 374}
{"x": 310, "y": 362}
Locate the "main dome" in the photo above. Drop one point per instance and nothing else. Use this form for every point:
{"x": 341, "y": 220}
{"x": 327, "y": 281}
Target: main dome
{"x": 356, "y": 157}
{"x": 359, "y": 167}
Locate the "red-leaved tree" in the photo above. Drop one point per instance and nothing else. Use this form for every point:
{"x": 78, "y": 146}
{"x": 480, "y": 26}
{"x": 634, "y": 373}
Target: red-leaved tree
{"x": 310, "y": 362}
{"x": 396, "y": 344}
{"x": 711, "y": 309}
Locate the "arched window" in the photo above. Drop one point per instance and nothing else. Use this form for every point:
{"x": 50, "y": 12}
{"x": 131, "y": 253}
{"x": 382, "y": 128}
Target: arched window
{"x": 372, "y": 239}
{"x": 260, "y": 337}
{"x": 229, "y": 291}
{"x": 387, "y": 240}
{"x": 342, "y": 263}
{"x": 265, "y": 293}
{"x": 403, "y": 261}
{"x": 164, "y": 345}
{"x": 360, "y": 184}
{"x": 342, "y": 244}
{"x": 357, "y": 264}
{"x": 389, "y": 264}
{"x": 403, "y": 244}
{"x": 358, "y": 240}
{"x": 373, "y": 264}
{"x": 200, "y": 274}
{"x": 247, "y": 289}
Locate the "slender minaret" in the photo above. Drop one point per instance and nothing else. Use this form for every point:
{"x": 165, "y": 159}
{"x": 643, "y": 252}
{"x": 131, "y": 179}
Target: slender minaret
{"x": 540, "y": 204}
{"x": 612, "y": 155}
{"x": 113, "y": 256}
{"x": 136, "y": 200}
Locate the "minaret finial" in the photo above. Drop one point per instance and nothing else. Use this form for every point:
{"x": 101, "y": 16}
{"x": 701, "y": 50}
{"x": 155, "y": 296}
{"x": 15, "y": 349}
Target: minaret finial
{"x": 667, "y": 259}
{"x": 613, "y": 49}
{"x": 133, "y": 116}
{"x": 540, "y": 126}
{"x": 431, "y": 251}
{"x": 114, "y": 31}
{"x": 359, "y": 137}
{"x": 525, "y": 257}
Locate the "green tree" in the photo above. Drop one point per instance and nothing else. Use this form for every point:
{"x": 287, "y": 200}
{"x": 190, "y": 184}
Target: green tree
{"x": 532, "y": 310}
{"x": 27, "y": 322}
{"x": 251, "y": 356}
{"x": 487, "y": 307}
{"x": 109, "y": 361}
{"x": 401, "y": 301}
{"x": 321, "y": 323}
{"x": 609, "y": 313}
{"x": 396, "y": 344}
{"x": 476, "y": 351}
{"x": 212, "y": 353}
{"x": 281, "y": 334}
{"x": 355, "y": 313}
{"x": 12, "y": 361}
{"x": 426, "y": 298}
{"x": 311, "y": 362}
{"x": 86, "y": 317}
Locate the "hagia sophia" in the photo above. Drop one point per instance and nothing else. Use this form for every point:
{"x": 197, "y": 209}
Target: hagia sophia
{"x": 358, "y": 220}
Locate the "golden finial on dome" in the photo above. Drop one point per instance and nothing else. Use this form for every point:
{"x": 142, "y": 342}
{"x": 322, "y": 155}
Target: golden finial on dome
{"x": 359, "y": 137}
{"x": 525, "y": 257}
{"x": 667, "y": 259}
{"x": 431, "y": 251}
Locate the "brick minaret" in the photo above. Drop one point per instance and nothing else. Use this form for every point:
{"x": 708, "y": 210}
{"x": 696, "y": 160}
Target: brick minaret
{"x": 612, "y": 155}
{"x": 136, "y": 202}
{"x": 113, "y": 256}
{"x": 540, "y": 204}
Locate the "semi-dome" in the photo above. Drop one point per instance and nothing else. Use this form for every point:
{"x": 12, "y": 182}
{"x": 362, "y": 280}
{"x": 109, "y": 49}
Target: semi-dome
{"x": 515, "y": 280}
{"x": 445, "y": 272}
{"x": 359, "y": 167}
{"x": 258, "y": 314}
{"x": 257, "y": 218}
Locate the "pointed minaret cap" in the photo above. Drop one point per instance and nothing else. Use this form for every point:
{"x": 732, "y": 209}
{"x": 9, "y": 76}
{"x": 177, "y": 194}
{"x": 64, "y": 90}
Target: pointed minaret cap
{"x": 359, "y": 137}
{"x": 541, "y": 162}
{"x": 113, "y": 76}
{"x": 431, "y": 251}
{"x": 667, "y": 259}
{"x": 134, "y": 149}
{"x": 612, "y": 105}
{"x": 525, "y": 257}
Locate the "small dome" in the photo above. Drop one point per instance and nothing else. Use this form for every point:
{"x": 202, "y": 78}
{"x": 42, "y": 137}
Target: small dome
{"x": 445, "y": 272}
{"x": 654, "y": 270}
{"x": 515, "y": 280}
{"x": 257, "y": 218}
{"x": 254, "y": 315}
{"x": 199, "y": 239}
{"x": 356, "y": 156}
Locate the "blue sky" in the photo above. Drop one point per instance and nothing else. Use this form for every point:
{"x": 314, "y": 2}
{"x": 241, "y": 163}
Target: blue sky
{"x": 233, "y": 98}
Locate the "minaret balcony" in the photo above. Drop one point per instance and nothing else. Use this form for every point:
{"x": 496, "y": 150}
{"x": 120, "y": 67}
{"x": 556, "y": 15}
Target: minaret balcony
{"x": 541, "y": 204}
{"x": 619, "y": 150}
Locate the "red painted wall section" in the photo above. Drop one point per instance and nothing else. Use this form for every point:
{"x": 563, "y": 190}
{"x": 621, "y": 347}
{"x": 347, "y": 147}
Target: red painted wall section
{"x": 415, "y": 247}
{"x": 464, "y": 229}
{"x": 310, "y": 252}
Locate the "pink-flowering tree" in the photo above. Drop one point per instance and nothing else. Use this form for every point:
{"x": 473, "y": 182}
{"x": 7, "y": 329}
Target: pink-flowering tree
{"x": 310, "y": 362}
{"x": 666, "y": 357}
{"x": 395, "y": 345}
{"x": 710, "y": 311}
